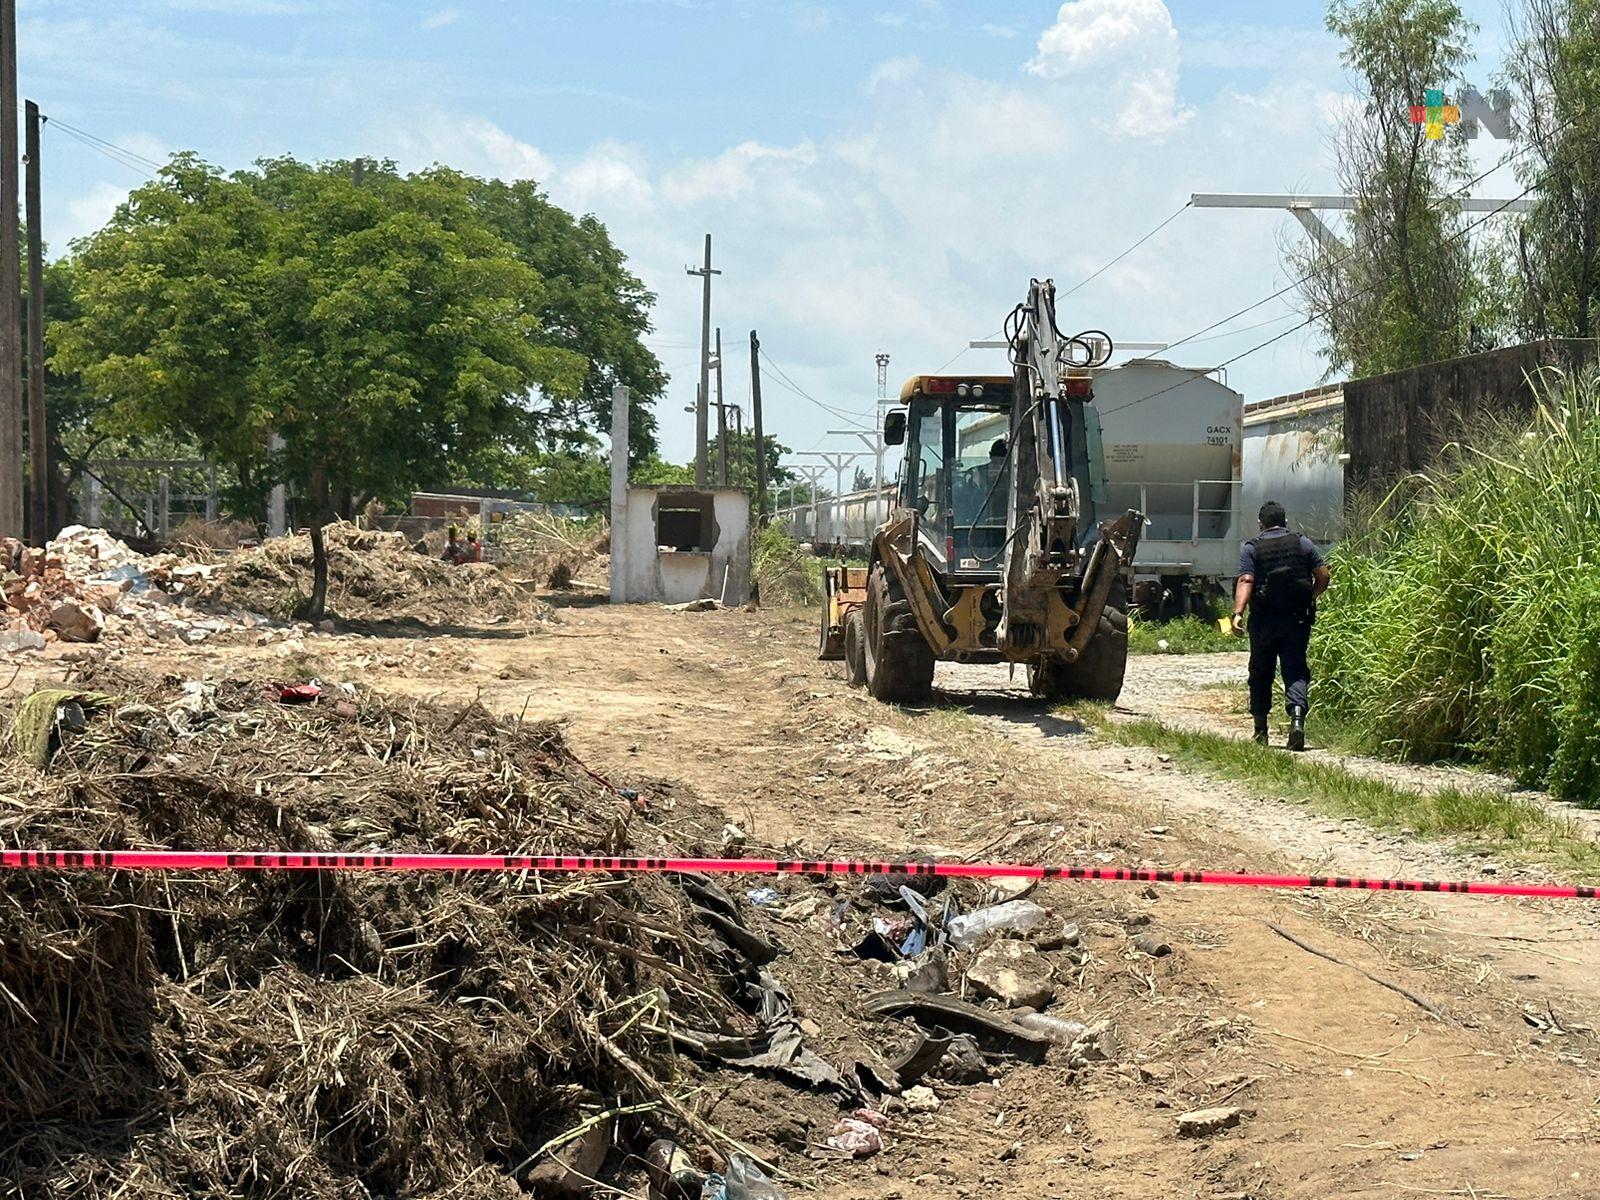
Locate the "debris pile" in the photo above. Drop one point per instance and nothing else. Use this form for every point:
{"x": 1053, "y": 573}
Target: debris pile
{"x": 372, "y": 575}
{"x": 276, "y": 1033}
{"x": 86, "y": 581}
{"x": 557, "y": 552}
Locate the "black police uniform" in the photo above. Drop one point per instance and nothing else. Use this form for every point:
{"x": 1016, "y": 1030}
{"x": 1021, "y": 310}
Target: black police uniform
{"x": 1282, "y": 607}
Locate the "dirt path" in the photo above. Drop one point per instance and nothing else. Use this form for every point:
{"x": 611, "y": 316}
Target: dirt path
{"x": 1346, "y": 1087}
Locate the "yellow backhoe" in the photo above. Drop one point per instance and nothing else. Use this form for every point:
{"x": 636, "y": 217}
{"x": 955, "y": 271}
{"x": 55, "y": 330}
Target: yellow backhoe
{"x": 997, "y": 548}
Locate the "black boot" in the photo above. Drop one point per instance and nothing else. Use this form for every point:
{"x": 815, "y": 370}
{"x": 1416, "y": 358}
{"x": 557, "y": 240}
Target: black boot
{"x": 1297, "y": 727}
{"x": 1261, "y": 731}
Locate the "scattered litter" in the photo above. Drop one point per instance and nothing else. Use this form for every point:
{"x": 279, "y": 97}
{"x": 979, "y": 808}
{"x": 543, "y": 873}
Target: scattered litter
{"x": 763, "y": 896}
{"x": 1060, "y": 1030}
{"x": 858, "y": 1135}
{"x": 300, "y": 693}
{"x": 1203, "y": 1122}
{"x": 1152, "y": 944}
{"x": 744, "y": 1181}
{"x": 920, "y": 1099}
{"x": 704, "y": 604}
{"x": 1014, "y": 916}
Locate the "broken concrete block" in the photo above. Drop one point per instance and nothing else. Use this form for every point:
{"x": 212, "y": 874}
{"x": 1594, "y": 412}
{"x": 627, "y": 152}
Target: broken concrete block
{"x": 920, "y": 1099}
{"x": 76, "y": 622}
{"x": 1203, "y": 1122}
{"x": 21, "y": 639}
{"x": 1014, "y": 973}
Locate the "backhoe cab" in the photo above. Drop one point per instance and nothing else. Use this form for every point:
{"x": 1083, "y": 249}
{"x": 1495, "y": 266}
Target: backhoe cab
{"x": 997, "y": 548}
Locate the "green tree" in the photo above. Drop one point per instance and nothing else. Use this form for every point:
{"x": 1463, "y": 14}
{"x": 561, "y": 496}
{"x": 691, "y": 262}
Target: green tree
{"x": 384, "y": 331}
{"x": 1553, "y": 70}
{"x": 1406, "y": 289}
{"x": 742, "y": 460}
{"x": 591, "y": 304}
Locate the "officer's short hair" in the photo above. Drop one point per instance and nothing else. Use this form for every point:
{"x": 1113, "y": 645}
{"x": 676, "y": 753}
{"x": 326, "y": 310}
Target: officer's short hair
{"x": 1272, "y": 515}
{"x": 998, "y": 450}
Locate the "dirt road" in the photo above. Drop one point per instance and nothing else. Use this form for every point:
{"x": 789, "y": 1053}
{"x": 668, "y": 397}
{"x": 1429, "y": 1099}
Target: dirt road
{"x": 1347, "y": 1087}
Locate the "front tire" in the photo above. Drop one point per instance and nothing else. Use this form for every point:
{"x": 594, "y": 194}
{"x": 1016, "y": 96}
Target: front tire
{"x": 898, "y": 660}
{"x": 855, "y": 662}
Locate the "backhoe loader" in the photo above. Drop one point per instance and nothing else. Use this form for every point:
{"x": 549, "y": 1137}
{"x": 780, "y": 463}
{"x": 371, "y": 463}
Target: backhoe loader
{"x": 997, "y": 548}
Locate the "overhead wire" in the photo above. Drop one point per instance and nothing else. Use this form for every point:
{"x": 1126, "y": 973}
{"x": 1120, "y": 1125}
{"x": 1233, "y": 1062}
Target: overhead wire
{"x": 1195, "y": 373}
{"x": 1456, "y": 193}
{"x": 131, "y": 159}
{"x": 784, "y": 381}
{"x": 1089, "y": 279}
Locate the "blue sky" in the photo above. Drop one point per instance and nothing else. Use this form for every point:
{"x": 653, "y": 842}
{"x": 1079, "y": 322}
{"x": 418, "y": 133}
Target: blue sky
{"x": 877, "y": 175}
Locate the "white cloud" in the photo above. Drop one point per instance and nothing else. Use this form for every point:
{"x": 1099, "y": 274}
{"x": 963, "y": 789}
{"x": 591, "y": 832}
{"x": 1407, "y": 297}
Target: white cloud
{"x": 915, "y": 225}
{"x": 441, "y": 18}
{"x": 1125, "y": 48}
{"x": 87, "y": 213}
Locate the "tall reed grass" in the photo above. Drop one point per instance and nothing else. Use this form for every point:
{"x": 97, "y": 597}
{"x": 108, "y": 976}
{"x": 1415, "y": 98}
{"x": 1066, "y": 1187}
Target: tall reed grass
{"x": 1465, "y": 615}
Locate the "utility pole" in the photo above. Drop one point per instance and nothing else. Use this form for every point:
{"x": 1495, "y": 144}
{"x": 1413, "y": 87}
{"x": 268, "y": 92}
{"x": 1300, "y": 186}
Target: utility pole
{"x": 705, "y": 273}
{"x": 358, "y": 171}
{"x": 755, "y": 418}
{"x": 722, "y": 418}
{"x": 38, "y": 429}
{"x": 838, "y": 461}
{"x": 813, "y": 477}
{"x": 10, "y": 285}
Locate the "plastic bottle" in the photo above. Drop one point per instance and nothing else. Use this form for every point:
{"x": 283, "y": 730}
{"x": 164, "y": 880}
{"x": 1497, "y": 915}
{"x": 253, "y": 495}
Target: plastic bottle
{"x": 1014, "y": 916}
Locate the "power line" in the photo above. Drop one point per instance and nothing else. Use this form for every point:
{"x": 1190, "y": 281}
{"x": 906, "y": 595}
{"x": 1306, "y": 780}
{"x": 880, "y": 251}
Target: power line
{"x": 1081, "y": 282}
{"x": 1290, "y": 286}
{"x": 791, "y": 385}
{"x": 131, "y": 159}
{"x": 1125, "y": 253}
{"x": 1372, "y": 287}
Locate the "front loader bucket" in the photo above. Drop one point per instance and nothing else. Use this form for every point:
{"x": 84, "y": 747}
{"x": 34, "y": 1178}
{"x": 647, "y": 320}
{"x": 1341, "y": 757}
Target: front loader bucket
{"x": 844, "y": 589}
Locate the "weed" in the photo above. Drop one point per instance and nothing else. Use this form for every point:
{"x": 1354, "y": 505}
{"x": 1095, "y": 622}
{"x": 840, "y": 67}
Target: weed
{"x": 1465, "y": 616}
{"x": 1186, "y": 635}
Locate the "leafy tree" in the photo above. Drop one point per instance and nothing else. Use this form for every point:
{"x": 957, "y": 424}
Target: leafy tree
{"x": 1553, "y": 69}
{"x": 1407, "y": 289}
{"x": 591, "y": 304}
{"x": 742, "y": 461}
{"x": 384, "y": 331}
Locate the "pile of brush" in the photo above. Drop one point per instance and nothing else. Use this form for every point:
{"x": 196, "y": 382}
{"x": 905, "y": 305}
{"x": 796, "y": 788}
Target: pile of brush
{"x": 292, "y": 1034}
{"x": 372, "y": 575}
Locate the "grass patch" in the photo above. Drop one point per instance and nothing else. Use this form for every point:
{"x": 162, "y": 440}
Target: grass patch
{"x": 1487, "y": 820}
{"x": 1186, "y": 635}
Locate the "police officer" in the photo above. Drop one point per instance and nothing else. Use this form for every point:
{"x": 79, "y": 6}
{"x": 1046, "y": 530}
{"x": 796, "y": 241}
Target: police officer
{"x": 1281, "y": 574}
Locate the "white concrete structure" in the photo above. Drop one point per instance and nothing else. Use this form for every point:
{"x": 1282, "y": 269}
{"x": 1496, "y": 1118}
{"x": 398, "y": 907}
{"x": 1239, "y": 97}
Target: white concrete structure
{"x": 673, "y": 544}
{"x": 679, "y": 543}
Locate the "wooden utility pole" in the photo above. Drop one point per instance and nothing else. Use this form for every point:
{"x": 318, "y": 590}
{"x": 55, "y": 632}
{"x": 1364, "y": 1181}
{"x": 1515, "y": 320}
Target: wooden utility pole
{"x": 701, "y": 472}
{"x": 38, "y": 427}
{"x": 10, "y": 285}
{"x": 722, "y": 418}
{"x": 755, "y": 429}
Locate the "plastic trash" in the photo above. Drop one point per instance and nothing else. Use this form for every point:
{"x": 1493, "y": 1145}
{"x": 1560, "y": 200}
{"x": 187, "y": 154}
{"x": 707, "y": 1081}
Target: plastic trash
{"x": 1060, "y": 1030}
{"x": 762, "y": 896}
{"x": 1014, "y": 916}
{"x": 744, "y": 1181}
{"x": 856, "y": 1137}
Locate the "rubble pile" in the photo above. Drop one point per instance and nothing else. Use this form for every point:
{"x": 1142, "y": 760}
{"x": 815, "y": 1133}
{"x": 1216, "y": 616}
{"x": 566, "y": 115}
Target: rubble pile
{"x": 282, "y": 1033}
{"x": 86, "y": 581}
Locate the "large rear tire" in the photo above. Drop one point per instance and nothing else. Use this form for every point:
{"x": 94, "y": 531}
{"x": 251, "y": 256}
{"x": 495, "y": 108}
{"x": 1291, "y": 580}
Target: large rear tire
{"x": 855, "y": 662}
{"x": 898, "y": 660}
